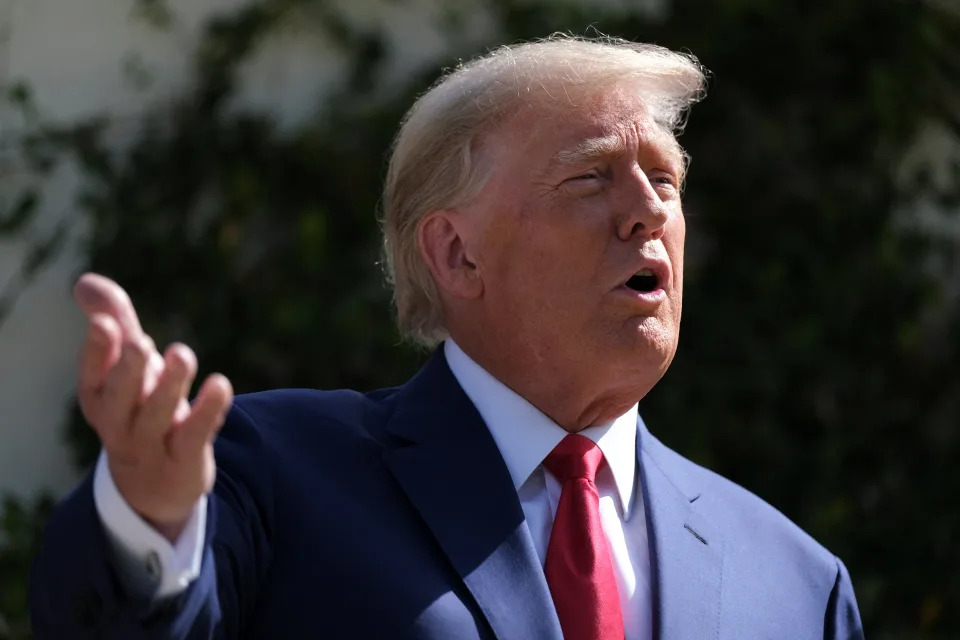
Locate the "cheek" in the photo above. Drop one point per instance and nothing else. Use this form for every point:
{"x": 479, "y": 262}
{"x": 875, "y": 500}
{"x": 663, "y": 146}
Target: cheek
{"x": 674, "y": 243}
{"x": 514, "y": 263}
{"x": 544, "y": 243}
{"x": 544, "y": 256}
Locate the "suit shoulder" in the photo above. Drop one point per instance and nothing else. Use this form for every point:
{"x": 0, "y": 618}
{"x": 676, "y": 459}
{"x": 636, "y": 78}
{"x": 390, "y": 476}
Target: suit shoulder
{"x": 751, "y": 520}
{"x": 340, "y": 411}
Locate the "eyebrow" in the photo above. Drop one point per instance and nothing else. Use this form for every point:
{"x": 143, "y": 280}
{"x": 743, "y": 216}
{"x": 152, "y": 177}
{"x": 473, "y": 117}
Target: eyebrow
{"x": 606, "y": 146}
{"x": 590, "y": 149}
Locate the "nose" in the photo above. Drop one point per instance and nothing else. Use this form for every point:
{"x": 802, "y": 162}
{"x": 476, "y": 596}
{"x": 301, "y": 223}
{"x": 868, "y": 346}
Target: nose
{"x": 640, "y": 210}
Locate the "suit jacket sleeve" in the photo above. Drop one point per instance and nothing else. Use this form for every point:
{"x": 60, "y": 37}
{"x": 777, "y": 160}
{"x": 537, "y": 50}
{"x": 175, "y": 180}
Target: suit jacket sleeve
{"x": 842, "y": 621}
{"x": 76, "y": 592}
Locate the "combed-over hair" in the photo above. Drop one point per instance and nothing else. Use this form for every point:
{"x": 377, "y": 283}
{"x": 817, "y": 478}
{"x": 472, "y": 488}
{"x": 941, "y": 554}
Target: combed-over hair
{"x": 433, "y": 164}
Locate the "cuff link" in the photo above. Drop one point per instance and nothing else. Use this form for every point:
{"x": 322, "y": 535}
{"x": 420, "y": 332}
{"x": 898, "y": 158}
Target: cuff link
{"x": 154, "y": 569}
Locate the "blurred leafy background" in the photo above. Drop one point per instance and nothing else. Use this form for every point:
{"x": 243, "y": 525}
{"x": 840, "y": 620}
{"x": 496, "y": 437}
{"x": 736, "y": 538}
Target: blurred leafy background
{"x": 819, "y": 363}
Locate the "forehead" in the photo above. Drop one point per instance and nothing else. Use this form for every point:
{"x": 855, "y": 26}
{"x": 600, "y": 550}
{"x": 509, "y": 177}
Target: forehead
{"x": 555, "y": 132}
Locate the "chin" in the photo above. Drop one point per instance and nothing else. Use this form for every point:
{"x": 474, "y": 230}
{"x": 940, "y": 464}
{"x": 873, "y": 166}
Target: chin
{"x": 651, "y": 342}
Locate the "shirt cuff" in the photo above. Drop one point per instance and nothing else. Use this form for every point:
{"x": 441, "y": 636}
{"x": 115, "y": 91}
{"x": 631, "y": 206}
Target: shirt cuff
{"x": 148, "y": 563}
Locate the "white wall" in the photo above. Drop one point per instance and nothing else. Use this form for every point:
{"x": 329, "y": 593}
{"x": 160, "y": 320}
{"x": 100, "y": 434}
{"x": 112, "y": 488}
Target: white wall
{"x": 73, "y": 52}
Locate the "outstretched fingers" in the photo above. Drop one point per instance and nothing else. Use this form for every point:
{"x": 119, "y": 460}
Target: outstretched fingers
{"x": 158, "y": 446}
{"x": 100, "y": 352}
{"x": 123, "y": 393}
{"x": 97, "y": 294}
{"x": 159, "y": 411}
{"x": 205, "y": 419}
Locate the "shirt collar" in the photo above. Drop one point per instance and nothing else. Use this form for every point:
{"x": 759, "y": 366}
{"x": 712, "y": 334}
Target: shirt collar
{"x": 525, "y": 435}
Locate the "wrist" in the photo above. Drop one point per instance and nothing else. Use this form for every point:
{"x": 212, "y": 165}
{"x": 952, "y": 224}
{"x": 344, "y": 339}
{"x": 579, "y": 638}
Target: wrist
{"x": 167, "y": 521}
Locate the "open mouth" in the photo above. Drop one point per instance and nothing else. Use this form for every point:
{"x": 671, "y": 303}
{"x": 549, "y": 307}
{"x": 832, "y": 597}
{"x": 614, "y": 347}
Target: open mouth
{"x": 643, "y": 281}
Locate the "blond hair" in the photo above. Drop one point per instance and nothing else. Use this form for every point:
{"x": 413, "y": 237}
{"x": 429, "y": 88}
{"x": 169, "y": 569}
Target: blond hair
{"x": 433, "y": 164}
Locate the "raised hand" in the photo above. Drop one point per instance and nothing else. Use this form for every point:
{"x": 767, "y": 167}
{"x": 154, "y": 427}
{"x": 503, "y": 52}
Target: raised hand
{"x": 159, "y": 447}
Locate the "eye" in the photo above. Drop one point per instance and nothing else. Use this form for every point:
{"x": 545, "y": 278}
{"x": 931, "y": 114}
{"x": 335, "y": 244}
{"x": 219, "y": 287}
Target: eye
{"x": 587, "y": 183}
{"x": 590, "y": 175}
{"x": 662, "y": 179}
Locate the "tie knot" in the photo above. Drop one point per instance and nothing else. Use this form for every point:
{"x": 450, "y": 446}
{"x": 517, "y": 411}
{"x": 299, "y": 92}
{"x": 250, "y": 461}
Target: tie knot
{"x": 575, "y": 457}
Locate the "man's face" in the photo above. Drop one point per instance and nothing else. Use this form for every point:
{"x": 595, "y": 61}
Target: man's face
{"x": 577, "y": 205}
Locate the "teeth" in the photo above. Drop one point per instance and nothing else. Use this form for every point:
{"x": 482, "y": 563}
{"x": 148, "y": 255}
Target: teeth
{"x": 645, "y": 272}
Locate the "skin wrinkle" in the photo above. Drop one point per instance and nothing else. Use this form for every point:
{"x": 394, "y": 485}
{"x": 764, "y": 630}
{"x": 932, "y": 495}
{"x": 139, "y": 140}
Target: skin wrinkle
{"x": 615, "y": 143}
{"x": 534, "y": 303}
{"x": 509, "y": 79}
{"x": 590, "y": 149}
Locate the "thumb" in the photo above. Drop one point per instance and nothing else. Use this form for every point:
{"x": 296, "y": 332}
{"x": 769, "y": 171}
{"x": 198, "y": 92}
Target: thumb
{"x": 97, "y": 294}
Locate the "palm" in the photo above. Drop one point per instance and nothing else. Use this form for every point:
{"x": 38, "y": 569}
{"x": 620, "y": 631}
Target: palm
{"x": 159, "y": 447}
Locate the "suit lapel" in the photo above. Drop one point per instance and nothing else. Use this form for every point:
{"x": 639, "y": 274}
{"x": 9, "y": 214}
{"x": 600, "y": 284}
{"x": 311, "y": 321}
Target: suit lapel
{"x": 686, "y": 548}
{"x": 451, "y": 470}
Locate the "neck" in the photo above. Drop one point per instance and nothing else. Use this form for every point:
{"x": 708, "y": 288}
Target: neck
{"x": 566, "y": 395}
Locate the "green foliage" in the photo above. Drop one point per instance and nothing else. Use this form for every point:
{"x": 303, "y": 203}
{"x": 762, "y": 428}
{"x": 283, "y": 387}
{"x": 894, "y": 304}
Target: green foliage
{"x": 818, "y": 363}
{"x": 29, "y": 158}
{"x": 20, "y": 529}
{"x": 259, "y": 249}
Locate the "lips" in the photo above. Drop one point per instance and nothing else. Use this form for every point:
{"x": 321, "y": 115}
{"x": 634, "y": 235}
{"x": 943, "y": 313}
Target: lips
{"x": 649, "y": 276}
{"x": 643, "y": 281}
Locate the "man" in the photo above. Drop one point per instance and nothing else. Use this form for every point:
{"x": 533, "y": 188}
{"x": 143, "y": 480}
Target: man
{"x": 534, "y": 230}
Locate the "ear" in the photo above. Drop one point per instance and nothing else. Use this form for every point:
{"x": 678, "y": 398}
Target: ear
{"x": 444, "y": 250}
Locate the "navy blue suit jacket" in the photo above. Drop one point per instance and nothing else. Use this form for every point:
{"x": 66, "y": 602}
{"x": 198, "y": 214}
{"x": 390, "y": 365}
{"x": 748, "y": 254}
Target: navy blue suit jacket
{"x": 392, "y": 515}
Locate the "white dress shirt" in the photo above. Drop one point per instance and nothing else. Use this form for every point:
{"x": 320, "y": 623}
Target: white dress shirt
{"x": 150, "y": 565}
{"x": 525, "y": 436}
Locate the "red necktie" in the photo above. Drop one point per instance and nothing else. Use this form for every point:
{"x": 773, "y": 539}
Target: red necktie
{"x": 578, "y": 566}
